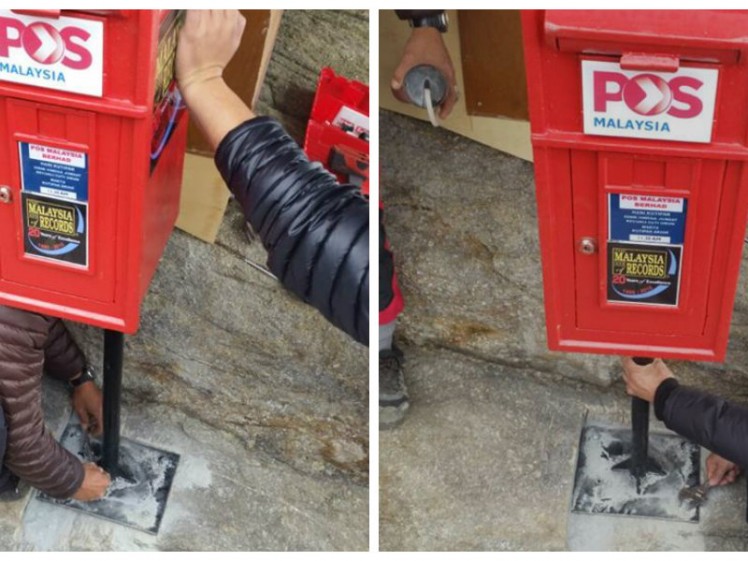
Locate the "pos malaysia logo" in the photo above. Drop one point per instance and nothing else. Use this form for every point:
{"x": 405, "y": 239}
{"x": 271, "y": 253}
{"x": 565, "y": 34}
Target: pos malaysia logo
{"x": 43, "y": 43}
{"x": 659, "y": 105}
{"x": 63, "y": 54}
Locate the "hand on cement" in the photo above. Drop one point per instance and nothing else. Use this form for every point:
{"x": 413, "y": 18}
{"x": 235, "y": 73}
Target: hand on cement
{"x": 426, "y": 46}
{"x": 642, "y": 381}
{"x": 720, "y": 471}
{"x": 207, "y": 42}
{"x": 95, "y": 483}
{"x": 88, "y": 405}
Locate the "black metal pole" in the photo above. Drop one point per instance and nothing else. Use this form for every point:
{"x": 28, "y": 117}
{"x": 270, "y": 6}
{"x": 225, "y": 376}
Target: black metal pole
{"x": 639, "y": 437}
{"x": 639, "y": 432}
{"x": 114, "y": 343}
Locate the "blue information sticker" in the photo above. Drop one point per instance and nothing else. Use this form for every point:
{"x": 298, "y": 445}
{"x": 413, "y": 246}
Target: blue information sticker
{"x": 54, "y": 172}
{"x": 647, "y": 218}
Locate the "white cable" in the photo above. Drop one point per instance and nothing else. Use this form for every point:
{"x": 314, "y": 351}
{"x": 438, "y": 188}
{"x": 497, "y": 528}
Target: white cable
{"x": 430, "y": 106}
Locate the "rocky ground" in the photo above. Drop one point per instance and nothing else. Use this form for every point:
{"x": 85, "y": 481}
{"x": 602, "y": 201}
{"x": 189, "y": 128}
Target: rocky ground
{"x": 266, "y": 403}
{"x": 486, "y": 458}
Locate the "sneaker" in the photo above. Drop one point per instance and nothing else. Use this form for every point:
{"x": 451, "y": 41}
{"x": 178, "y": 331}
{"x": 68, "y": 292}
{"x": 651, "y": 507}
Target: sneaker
{"x": 13, "y": 490}
{"x": 393, "y": 395}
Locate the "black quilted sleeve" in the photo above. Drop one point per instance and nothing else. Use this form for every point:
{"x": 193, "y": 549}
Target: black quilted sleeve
{"x": 316, "y": 231}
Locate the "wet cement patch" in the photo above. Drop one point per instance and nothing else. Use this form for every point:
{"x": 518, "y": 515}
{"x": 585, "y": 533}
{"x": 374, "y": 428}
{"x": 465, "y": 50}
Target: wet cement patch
{"x": 140, "y": 485}
{"x": 600, "y": 488}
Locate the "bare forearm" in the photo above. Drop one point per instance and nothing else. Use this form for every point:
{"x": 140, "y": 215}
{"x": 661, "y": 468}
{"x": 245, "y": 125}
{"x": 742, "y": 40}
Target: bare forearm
{"x": 215, "y": 108}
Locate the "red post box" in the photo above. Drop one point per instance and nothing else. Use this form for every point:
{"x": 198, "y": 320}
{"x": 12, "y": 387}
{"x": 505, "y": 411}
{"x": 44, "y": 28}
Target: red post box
{"x": 92, "y": 139}
{"x": 639, "y": 126}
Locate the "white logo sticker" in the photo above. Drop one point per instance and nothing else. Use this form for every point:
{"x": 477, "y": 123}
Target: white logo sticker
{"x": 675, "y": 106}
{"x": 57, "y": 155}
{"x": 651, "y": 202}
{"x": 353, "y": 122}
{"x": 65, "y": 54}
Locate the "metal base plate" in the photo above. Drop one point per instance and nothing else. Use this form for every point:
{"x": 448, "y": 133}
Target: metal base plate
{"x": 598, "y": 488}
{"x": 137, "y": 497}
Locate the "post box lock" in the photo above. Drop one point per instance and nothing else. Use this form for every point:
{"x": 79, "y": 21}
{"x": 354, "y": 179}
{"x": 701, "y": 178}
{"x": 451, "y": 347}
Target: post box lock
{"x": 587, "y": 246}
{"x": 6, "y": 195}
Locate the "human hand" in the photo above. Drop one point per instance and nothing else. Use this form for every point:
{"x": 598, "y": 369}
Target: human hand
{"x": 88, "y": 405}
{"x": 720, "y": 471}
{"x": 426, "y": 46}
{"x": 95, "y": 483}
{"x": 207, "y": 42}
{"x": 643, "y": 381}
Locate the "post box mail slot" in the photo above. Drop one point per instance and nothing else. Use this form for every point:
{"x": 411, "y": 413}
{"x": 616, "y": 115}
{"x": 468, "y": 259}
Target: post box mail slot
{"x": 92, "y": 137}
{"x": 639, "y": 125}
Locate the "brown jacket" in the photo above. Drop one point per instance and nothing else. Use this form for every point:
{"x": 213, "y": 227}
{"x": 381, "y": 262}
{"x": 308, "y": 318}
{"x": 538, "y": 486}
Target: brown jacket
{"x": 30, "y": 344}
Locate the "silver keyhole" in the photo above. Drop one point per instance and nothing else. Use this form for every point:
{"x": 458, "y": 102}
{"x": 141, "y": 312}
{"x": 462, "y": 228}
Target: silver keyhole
{"x": 587, "y": 246}
{"x": 6, "y": 195}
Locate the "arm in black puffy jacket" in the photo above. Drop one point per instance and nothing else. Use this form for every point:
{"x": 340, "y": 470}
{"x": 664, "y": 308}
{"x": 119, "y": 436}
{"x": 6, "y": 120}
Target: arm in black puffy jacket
{"x": 712, "y": 422}
{"x": 315, "y": 230}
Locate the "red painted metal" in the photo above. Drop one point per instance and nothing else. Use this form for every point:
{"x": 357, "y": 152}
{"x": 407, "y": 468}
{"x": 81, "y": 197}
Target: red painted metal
{"x": 576, "y": 172}
{"x": 134, "y": 136}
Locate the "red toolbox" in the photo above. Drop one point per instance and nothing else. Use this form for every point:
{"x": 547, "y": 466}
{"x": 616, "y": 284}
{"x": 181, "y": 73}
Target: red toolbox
{"x": 338, "y": 131}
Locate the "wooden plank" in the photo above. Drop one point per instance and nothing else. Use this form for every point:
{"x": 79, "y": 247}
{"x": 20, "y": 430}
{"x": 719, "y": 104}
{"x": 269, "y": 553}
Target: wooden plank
{"x": 493, "y": 63}
{"x": 204, "y": 198}
{"x": 267, "y": 51}
{"x": 508, "y": 135}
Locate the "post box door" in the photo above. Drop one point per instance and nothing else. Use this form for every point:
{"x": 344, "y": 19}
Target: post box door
{"x": 62, "y": 216}
{"x": 654, "y": 222}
